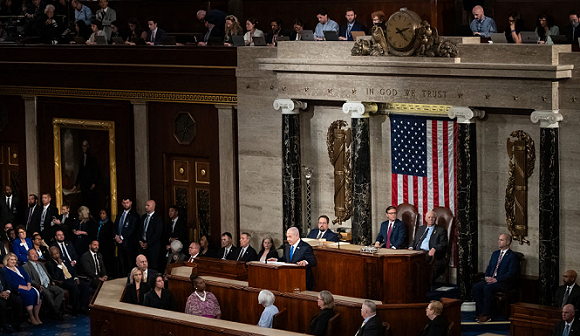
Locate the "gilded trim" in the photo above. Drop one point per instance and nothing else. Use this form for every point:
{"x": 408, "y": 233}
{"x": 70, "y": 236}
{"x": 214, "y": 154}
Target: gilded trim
{"x": 181, "y": 97}
{"x": 417, "y": 109}
{"x": 96, "y": 125}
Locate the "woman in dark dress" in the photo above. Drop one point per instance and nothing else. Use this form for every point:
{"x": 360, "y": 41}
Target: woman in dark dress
{"x": 83, "y": 231}
{"x": 319, "y": 323}
{"x": 205, "y": 250}
{"x": 137, "y": 288}
{"x": 19, "y": 282}
{"x": 106, "y": 235}
{"x": 159, "y": 297}
{"x": 268, "y": 251}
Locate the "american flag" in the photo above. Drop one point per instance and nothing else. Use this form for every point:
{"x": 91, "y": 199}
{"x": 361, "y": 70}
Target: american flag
{"x": 423, "y": 154}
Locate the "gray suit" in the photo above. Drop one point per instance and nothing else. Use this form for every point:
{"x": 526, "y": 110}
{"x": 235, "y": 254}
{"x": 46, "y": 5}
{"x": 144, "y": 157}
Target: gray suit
{"x": 53, "y": 294}
{"x": 106, "y": 19}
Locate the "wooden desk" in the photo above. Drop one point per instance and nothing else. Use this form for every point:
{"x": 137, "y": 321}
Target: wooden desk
{"x": 277, "y": 276}
{"x": 529, "y": 319}
{"x": 229, "y": 269}
{"x": 391, "y": 276}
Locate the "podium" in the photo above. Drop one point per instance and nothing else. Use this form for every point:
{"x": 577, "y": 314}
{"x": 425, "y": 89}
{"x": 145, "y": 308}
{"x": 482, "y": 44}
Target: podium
{"x": 276, "y": 276}
{"x": 229, "y": 269}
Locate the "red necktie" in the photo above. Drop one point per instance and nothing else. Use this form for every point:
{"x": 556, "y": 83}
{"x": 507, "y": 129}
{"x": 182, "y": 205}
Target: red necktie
{"x": 497, "y": 265}
{"x": 389, "y": 236}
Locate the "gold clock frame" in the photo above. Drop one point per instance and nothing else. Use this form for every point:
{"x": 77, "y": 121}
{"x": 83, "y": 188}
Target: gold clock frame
{"x": 416, "y": 42}
{"x": 94, "y": 125}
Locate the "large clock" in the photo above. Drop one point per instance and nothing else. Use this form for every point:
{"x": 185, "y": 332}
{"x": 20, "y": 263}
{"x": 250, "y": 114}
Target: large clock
{"x": 401, "y": 32}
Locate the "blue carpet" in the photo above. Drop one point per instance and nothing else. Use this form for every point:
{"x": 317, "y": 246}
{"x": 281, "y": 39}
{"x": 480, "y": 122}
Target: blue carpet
{"x": 70, "y": 327}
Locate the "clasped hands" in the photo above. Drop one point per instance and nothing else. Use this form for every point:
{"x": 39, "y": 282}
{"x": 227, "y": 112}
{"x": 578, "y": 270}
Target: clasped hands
{"x": 490, "y": 280}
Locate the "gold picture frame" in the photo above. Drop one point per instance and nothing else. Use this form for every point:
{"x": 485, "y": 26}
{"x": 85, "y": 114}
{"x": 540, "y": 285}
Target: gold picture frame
{"x": 93, "y": 125}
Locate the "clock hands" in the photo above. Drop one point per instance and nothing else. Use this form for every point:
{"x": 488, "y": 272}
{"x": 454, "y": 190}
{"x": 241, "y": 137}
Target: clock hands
{"x": 400, "y": 31}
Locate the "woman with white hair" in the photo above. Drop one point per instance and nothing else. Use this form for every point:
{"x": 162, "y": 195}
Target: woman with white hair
{"x": 266, "y": 299}
{"x": 175, "y": 255}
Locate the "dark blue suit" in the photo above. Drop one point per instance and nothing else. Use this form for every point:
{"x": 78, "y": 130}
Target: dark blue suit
{"x": 328, "y": 235}
{"x": 128, "y": 233}
{"x": 69, "y": 248}
{"x": 482, "y": 292}
{"x": 398, "y": 234}
{"x": 302, "y": 252}
{"x": 21, "y": 251}
{"x": 152, "y": 238}
{"x": 357, "y": 26}
{"x": 159, "y": 36}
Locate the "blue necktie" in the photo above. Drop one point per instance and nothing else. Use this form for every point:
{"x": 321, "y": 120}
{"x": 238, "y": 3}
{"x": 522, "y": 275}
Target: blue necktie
{"x": 291, "y": 252}
{"x": 145, "y": 227}
{"x": 566, "y": 330}
{"x": 121, "y": 223}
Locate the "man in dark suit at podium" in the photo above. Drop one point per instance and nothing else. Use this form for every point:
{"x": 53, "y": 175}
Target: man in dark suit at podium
{"x": 300, "y": 253}
{"x": 323, "y": 232}
{"x": 499, "y": 275}
{"x": 246, "y": 252}
{"x": 569, "y": 293}
{"x": 393, "y": 233}
{"x": 228, "y": 251}
{"x": 569, "y": 326}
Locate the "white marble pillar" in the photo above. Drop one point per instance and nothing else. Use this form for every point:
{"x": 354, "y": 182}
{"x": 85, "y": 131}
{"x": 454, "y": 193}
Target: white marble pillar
{"x": 32, "y": 160}
{"x": 141, "y": 143}
{"x": 228, "y": 182}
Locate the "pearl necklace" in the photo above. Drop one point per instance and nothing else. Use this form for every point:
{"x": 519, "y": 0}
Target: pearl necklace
{"x": 201, "y": 298}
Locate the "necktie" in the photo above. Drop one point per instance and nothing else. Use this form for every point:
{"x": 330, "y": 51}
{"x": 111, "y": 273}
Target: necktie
{"x": 291, "y": 252}
{"x": 566, "y": 330}
{"x": 30, "y": 211}
{"x": 44, "y": 280}
{"x": 8, "y": 203}
{"x": 241, "y": 254}
{"x": 65, "y": 271}
{"x": 320, "y": 234}
{"x": 121, "y": 223}
{"x": 566, "y": 296}
{"x": 63, "y": 219}
{"x": 1, "y": 287}
{"x": 153, "y": 36}
{"x": 359, "y": 329}
{"x": 226, "y": 251}
{"x": 348, "y": 30}
{"x": 389, "y": 235}
{"x": 42, "y": 217}
{"x": 145, "y": 227}
{"x": 191, "y": 259}
{"x": 97, "y": 268}
{"x": 497, "y": 265}
{"x": 64, "y": 251}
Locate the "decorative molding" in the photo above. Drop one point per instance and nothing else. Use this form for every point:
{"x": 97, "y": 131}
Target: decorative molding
{"x": 132, "y": 95}
{"x": 547, "y": 118}
{"x": 464, "y": 114}
{"x": 359, "y": 109}
{"x": 416, "y": 109}
{"x": 289, "y": 106}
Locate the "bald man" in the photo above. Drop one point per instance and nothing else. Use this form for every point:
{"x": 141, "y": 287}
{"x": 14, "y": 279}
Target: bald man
{"x": 569, "y": 292}
{"x": 150, "y": 231}
{"x": 432, "y": 239}
{"x": 299, "y": 252}
{"x": 481, "y": 24}
{"x": 569, "y": 326}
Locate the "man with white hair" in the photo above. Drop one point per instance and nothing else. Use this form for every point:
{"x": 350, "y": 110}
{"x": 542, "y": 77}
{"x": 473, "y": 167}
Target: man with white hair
{"x": 433, "y": 239}
{"x": 266, "y": 299}
{"x": 299, "y": 252}
{"x": 481, "y": 24}
{"x": 569, "y": 326}
{"x": 372, "y": 325}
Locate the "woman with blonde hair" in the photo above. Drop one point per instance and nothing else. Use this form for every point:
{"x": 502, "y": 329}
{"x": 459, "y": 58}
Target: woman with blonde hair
{"x": 19, "y": 282}
{"x": 83, "y": 231}
{"x": 233, "y": 28}
{"x": 136, "y": 288}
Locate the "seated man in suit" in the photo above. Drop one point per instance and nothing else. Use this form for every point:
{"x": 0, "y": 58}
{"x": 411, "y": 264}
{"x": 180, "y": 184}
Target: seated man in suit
{"x": 155, "y": 35}
{"x": 372, "y": 325}
{"x": 142, "y": 264}
{"x": 433, "y": 239}
{"x": 299, "y": 252}
{"x": 228, "y": 251}
{"x": 500, "y": 274}
{"x": 323, "y": 232}
{"x": 438, "y": 325}
{"x": 569, "y": 293}
{"x": 193, "y": 251}
{"x": 277, "y": 31}
{"x": 350, "y": 26}
{"x": 67, "y": 251}
{"x": 393, "y": 233}
{"x": 569, "y": 326}
{"x": 42, "y": 281}
{"x": 247, "y": 253}
{"x": 92, "y": 265}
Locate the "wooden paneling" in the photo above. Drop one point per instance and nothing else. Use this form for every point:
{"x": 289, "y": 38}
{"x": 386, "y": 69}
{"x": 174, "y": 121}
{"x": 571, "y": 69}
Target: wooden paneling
{"x": 533, "y": 320}
{"x": 282, "y": 278}
{"x": 13, "y": 132}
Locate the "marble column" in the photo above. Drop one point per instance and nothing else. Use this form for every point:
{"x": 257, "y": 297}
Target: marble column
{"x": 141, "y": 143}
{"x": 291, "y": 164}
{"x": 32, "y": 160}
{"x": 361, "y": 171}
{"x": 549, "y": 231}
{"x": 466, "y": 213}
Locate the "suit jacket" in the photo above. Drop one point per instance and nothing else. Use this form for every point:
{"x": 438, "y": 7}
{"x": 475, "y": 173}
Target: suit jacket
{"x": 50, "y": 213}
{"x": 328, "y": 235}
{"x": 33, "y": 274}
{"x": 232, "y": 255}
{"x": 88, "y": 266}
{"x": 69, "y": 248}
{"x": 373, "y": 327}
{"x": 283, "y": 33}
{"x": 273, "y": 253}
{"x": 158, "y": 36}
{"x": 438, "y": 240}
{"x": 56, "y": 273}
{"x": 106, "y": 19}
{"x": 574, "y": 330}
{"x": 437, "y": 327}
{"x": 154, "y": 230}
{"x": 131, "y": 293}
{"x": 398, "y": 234}
{"x": 9, "y": 215}
{"x": 508, "y": 268}
{"x": 34, "y": 224}
{"x": 44, "y": 251}
{"x": 179, "y": 231}
{"x": 249, "y": 255}
{"x": 319, "y": 323}
{"x": 574, "y": 297}
{"x": 357, "y": 26}
{"x": 129, "y": 229}
{"x": 303, "y": 252}
{"x": 105, "y": 235}
{"x": 573, "y": 34}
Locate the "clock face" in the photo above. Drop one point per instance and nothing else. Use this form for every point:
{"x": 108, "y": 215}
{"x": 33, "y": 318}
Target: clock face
{"x": 401, "y": 31}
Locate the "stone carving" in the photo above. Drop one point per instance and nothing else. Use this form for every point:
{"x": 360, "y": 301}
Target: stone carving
{"x": 338, "y": 143}
{"x": 522, "y": 154}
